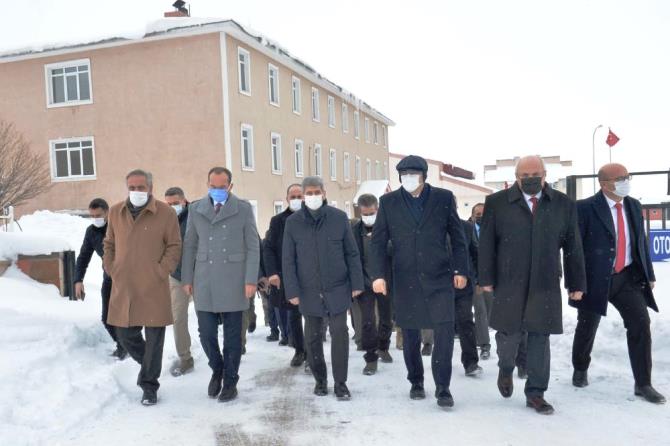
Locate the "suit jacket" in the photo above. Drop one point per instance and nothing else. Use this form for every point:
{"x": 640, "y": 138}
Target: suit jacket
{"x": 221, "y": 254}
{"x": 272, "y": 256}
{"x": 519, "y": 255}
{"x": 599, "y": 239}
{"x": 423, "y": 265}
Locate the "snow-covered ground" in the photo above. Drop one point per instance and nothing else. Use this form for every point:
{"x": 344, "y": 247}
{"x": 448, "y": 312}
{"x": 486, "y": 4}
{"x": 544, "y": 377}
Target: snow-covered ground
{"x": 59, "y": 386}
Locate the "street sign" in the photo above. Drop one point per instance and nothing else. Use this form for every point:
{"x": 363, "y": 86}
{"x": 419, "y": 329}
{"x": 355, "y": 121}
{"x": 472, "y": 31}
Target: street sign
{"x": 659, "y": 245}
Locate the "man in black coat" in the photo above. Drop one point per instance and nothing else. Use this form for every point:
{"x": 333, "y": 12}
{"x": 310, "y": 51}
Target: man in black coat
{"x": 375, "y": 338}
{"x": 619, "y": 271}
{"x": 272, "y": 257}
{"x": 418, "y": 219}
{"x": 93, "y": 238}
{"x": 322, "y": 272}
{"x": 523, "y": 229}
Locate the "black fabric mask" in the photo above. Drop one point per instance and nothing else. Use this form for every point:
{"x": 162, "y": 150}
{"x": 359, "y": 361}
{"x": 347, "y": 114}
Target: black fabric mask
{"x": 478, "y": 220}
{"x": 531, "y": 185}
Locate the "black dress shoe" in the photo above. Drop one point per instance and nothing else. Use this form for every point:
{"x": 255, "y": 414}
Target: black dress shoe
{"x": 417, "y": 392}
{"x": 120, "y": 353}
{"x": 228, "y": 393}
{"x": 539, "y": 405}
{"x": 298, "y": 359}
{"x": 650, "y": 394}
{"x": 473, "y": 370}
{"x": 485, "y": 353}
{"x": 427, "y": 350}
{"x": 580, "y": 378}
{"x": 505, "y": 384}
{"x": 215, "y": 384}
{"x": 149, "y": 397}
{"x": 522, "y": 372}
{"x": 444, "y": 398}
{"x": 342, "y": 392}
{"x": 370, "y": 368}
{"x": 321, "y": 388}
{"x": 283, "y": 342}
{"x": 385, "y": 356}
{"x": 273, "y": 337}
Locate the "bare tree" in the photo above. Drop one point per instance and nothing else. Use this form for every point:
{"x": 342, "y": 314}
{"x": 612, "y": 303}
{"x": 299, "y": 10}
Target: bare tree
{"x": 24, "y": 174}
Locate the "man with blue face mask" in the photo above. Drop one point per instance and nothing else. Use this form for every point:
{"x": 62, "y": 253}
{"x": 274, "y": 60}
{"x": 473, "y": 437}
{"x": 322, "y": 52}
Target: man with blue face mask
{"x": 619, "y": 271}
{"x": 220, "y": 269}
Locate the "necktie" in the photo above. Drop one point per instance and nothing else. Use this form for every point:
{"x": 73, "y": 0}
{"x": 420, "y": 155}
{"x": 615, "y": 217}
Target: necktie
{"x": 534, "y": 201}
{"x": 620, "y": 240}
{"x": 217, "y": 208}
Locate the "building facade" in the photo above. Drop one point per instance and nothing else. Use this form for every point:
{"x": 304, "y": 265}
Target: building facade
{"x": 502, "y": 174}
{"x": 184, "y": 99}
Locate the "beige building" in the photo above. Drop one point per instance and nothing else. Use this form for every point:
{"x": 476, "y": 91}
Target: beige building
{"x": 180, "y": 100}
{"x": 460, "y": 181}
{"x": 502, "y": 174}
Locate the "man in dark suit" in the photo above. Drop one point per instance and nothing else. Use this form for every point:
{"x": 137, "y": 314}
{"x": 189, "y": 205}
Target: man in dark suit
{"x": 523, "y": 229}
{"x": 418, "y": 219}
{"x": 618, "y": 270}
{"x": 272, "y": 257}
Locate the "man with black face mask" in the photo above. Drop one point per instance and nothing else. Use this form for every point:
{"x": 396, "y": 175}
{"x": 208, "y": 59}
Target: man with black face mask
{"x": 523, "y": 230}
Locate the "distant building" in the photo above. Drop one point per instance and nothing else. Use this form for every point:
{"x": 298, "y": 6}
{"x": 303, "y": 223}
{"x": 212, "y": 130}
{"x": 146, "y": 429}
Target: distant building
{"x": 502, "y": 174}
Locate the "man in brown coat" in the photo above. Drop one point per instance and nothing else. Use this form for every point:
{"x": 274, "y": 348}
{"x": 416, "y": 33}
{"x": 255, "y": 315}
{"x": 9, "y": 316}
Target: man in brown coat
{"x": 142, "y": 248}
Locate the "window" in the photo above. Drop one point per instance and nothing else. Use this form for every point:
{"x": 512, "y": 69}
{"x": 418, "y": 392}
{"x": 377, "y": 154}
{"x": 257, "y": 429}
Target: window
{"x": 243, "y": 70}
{"x": 72, "y": 159}
{"x": 367, "y": 130}
{"x": 295, "y": 95}
{"x": 317, "y": 160}
{"x": 384, "y": 129}
{"x": 332, "y": 164}
{"x": 345, "y": 118}
{"x": 357, "y": 125}
{"x": 386, "y": 170}
{"x": 347, "y": 208}
{"x": 254, "y": 209}
{"x": 273, "y": 84}
{"x": 357, "y": 169}
{"x": 299, "y": 171}
{"x": 278, "y": 207}
{"x": 333, "y": 204}
{"x": 375, "y": 132}
{"x": 69, "y": 83}
{"x": 346, "y": 171}
{"x": 275, "y": 146}
{"x": 247, "y": 146}
{"x": 368, "y": 169}
{"x": 378, "y": 170}
{"x": 316, "y": 117}
{"x": 331, "y": 112}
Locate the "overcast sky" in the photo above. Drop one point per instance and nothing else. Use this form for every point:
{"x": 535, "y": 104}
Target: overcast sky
{"x": 465, "y": 81}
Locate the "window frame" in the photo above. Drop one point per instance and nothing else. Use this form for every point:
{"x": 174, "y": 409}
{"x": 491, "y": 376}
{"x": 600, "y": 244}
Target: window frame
{"x": 297, "y": 110}
{"x": 368, "y": 169}
{"x": 70, "y": 177}
{"x": 345, "y": 118}
{"x": 281, "y": 207}
{"x": 280, "y": 166}
{"x": 375, "y": 132}
{"x": 367, "y": 129}
{"x": 252, "y": 167}
{"x": 241, "y": 50}
{"x": 358, "y": 170}
{"x": 299, "y": 173}
{"x": 318, "y": 163}
{"x": 347, "y": 209}
{"x": 332, "y": 164}
{"x": 357, "y": 125}
{"x": 316, "y": 112}
{"x": 274, "y": 68}
{"x": 48, "y": 68}
{"x": 346, "y": 167}
{"x": 331, "y": 112}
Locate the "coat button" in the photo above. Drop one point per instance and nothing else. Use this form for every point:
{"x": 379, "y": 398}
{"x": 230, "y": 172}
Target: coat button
{"x": 224, "y": 249}
{"x": 210, "y": 261}
{"x": 224, "y": 226}
{"x": 211, "y": 238}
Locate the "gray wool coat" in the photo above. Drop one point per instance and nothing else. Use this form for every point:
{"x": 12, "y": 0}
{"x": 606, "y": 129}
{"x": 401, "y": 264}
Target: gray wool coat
{"x": 221, "y": 254}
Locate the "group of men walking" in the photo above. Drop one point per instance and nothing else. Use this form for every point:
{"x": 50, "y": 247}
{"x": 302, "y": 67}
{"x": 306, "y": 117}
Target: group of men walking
{"x": 409, "y": 260}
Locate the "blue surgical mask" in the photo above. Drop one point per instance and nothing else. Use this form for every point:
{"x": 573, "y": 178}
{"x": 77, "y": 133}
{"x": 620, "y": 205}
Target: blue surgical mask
{"x": 177, "y": 208}
{"x": 218, "y": 195}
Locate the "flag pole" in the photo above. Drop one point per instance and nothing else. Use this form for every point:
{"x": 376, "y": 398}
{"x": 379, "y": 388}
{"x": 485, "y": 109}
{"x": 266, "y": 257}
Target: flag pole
{"x": 593, "y": 147}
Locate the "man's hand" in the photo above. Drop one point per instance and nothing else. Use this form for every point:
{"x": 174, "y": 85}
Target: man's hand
{"x": 249, "y": 290}
{"x": 356, "y": 293}
{"x": 460, "y": 282}
{"x": 275, "y": 281}
{"x": 295, "y": 301}
{"x": 488, "y": 288}
{"x": 379, "y": 286}
{"x": 79, "y": 290}
{"x": 264, "y": 284}
{"x": 576, "y": 295}
{"x": 188, "y": 289}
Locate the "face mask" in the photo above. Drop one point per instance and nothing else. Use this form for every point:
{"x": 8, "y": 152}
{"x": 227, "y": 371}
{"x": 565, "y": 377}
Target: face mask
{"x": 295, "y": 204}
{"x": 478, "y": 220}
{"x": 218, "y": 195}
{"x": 138, "y": 199}
{"x": 314, "y": 202}
{"x": 99, "y": 222}
{"x": 531, "y": 185}
{"x": 622, "y": 188}
{"x": 177, "y": 208}
{"x": 369, "y": 220}
{"x": 410, "y": 182}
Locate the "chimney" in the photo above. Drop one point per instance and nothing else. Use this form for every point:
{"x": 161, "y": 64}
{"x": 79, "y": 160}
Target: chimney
{"x": 181, "y": 11}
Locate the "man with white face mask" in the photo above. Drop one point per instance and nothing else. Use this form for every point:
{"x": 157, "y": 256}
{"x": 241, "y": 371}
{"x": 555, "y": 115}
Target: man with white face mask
{"x": 375, "y": 338}
{"x": 95, "y": 234}
{"x": 618, "y": 271}
{"x": 322, "y": 272}
{"x": 142, "y": 248}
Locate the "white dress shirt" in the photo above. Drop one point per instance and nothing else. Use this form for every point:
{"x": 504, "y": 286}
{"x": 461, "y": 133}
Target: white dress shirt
{"x": 611, "y": 203}
{"x": 530, "y": 203}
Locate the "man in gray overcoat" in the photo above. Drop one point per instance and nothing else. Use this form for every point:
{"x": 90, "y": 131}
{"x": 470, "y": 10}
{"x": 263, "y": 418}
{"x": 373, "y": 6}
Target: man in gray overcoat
{"x": 220, "y": 269}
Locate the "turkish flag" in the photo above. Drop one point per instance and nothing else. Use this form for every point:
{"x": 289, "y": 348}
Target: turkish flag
{"x": 611, "y": 138}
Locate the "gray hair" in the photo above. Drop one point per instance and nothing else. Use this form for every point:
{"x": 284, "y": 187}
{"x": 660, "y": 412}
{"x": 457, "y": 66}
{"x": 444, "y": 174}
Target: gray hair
{"x": 141, "y": 173}
{"x": 312, "y": 182}
{"x": 367, "y": 201}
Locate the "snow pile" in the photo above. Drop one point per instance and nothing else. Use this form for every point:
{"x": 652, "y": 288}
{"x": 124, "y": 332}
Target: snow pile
{"x": 14, "y": 243}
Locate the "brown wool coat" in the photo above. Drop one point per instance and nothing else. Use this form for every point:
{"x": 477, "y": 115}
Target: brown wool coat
{"x": 140, "y": 255}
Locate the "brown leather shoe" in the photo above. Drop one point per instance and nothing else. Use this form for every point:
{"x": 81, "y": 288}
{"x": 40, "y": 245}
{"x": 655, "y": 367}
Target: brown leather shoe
{"x": 505, "y": 384}
{"x": 540, "y": 405}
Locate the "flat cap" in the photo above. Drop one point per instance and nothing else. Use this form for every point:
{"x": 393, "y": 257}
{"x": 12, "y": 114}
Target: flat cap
{"x": 412, "y": 162}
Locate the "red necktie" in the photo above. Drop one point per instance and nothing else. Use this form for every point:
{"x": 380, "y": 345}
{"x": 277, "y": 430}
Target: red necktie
{"x": 620, "y": 240}
{"x": 534, "y": 201}
{"x": 217, "y": 208}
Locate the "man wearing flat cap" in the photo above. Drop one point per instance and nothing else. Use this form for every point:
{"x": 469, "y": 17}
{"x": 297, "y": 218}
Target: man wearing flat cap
{"x": 430, "y": 260}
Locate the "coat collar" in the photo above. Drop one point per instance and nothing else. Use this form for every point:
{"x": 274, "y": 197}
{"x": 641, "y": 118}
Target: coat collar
{"x": 516, "y": 194}
{"x": 205, "y": 207}
{"x": 603, "y": 212}
{"x": 149, "y": 207}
